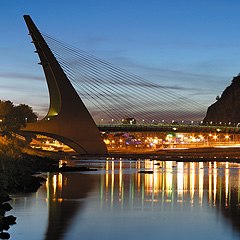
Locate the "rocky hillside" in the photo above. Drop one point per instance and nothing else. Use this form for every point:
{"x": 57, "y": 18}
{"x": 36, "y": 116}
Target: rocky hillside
{"x": 227, "y": 108}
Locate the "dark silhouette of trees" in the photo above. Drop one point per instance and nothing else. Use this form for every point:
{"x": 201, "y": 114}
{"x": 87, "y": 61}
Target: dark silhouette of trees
{"x": 12, "y": 117}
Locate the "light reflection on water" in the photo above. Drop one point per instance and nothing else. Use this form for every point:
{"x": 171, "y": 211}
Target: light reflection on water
{"x": 180, "y": 200}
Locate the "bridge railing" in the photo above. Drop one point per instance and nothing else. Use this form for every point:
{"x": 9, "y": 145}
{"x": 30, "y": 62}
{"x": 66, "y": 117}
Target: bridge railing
{"x": 168, "y": 128}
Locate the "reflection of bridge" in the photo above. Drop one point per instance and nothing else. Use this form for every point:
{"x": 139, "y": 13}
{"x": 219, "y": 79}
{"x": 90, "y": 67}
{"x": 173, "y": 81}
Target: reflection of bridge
{"x": 175, "y": 188}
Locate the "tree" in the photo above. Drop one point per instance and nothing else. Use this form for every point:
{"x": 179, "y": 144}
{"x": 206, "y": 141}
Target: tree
{"x": 13, "y": 118}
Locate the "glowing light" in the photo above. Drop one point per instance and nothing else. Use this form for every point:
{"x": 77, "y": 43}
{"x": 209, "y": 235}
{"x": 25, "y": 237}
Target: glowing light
{"x": 210, "y": 182}
{"x": 54, "y": 185}
{"x": 192, "y": 180}
{"x": 226, "y": 185}
{"x": 169, "y": 177}
{"x": 106, "y": 141}
{"x": 60, "y": 181}
{"x": 201, "y": 175}
{"x": 214, "y": 183}
{"x": 180, "y": 180}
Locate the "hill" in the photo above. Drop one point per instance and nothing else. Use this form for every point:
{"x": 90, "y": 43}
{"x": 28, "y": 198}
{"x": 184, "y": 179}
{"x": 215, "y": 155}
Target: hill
{"x": 226, "y": 110}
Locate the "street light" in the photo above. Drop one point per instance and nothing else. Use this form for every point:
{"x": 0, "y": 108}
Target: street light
{"x": 227, "y": 137}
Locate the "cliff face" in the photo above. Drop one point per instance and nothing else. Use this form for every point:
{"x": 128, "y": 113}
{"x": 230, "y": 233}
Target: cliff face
{"x": 227, "y": 108}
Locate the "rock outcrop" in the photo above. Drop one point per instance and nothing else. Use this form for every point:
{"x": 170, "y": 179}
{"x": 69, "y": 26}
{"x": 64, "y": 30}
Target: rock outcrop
{"x": 226, "y": 110}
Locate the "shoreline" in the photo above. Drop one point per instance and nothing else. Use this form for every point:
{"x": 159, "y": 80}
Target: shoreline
{"x": 192, "y": 154}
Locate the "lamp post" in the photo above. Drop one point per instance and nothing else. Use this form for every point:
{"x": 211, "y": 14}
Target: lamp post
{"x": 227, "y": 138}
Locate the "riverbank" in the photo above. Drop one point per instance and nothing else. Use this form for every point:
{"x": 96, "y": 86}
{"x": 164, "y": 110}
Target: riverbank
{"x": 17, "y": 170}
{"x": 17, "y": 176}
{"x": 231, "y": 154}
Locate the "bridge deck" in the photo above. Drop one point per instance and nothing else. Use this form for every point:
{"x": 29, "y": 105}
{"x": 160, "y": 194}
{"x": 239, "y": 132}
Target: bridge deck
{"x": 167, "y": 128}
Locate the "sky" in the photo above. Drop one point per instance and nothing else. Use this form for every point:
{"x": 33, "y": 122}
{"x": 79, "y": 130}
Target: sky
{"x": 189, "y": 46}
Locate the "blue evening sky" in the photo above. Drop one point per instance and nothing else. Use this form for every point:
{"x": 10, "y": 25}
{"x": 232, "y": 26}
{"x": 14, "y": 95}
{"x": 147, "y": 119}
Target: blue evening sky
{"x": 190, "y": 46}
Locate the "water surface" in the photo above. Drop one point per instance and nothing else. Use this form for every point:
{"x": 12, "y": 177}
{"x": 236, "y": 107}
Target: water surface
{"x": 180, "y": 200}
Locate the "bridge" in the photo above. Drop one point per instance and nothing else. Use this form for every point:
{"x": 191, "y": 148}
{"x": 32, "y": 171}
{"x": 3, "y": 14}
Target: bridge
{"x": 68, "y": 120}
{"x": 168, "y": 128}
{"x": 84, "y": 89}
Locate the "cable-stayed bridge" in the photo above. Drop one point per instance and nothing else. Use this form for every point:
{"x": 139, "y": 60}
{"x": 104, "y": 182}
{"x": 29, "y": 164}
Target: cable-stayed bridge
{"x": 108, "y": 92}
{"x": 112, "y": 94}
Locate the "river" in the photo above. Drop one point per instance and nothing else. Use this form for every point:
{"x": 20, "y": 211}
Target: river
{"x": 179, "y": 200}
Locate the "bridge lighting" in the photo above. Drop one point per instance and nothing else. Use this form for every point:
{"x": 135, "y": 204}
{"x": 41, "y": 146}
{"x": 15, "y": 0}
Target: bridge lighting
{"x": 227, "y": 137}
{"x": 192, "y": 122}
{"x": 112, "y": 120}
{"x": 106, "y": 141}
{"x": 211, "y": 122}
{"x": 163, "y": 121}
{"x": 229, "y": 123}
{"x": 210, "y": 135}
{"x": 215, "y": 137}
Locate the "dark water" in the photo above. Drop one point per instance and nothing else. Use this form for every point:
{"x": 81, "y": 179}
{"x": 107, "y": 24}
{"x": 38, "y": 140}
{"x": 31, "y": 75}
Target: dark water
{"x": 178, "y": 201}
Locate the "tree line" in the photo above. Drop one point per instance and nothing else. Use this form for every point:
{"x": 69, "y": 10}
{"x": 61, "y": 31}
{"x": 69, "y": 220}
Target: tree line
{"x": 14, "y": 117}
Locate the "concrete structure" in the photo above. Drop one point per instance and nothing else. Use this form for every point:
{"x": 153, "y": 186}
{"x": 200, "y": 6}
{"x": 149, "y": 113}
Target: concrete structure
{"x": 68, "y": 120}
